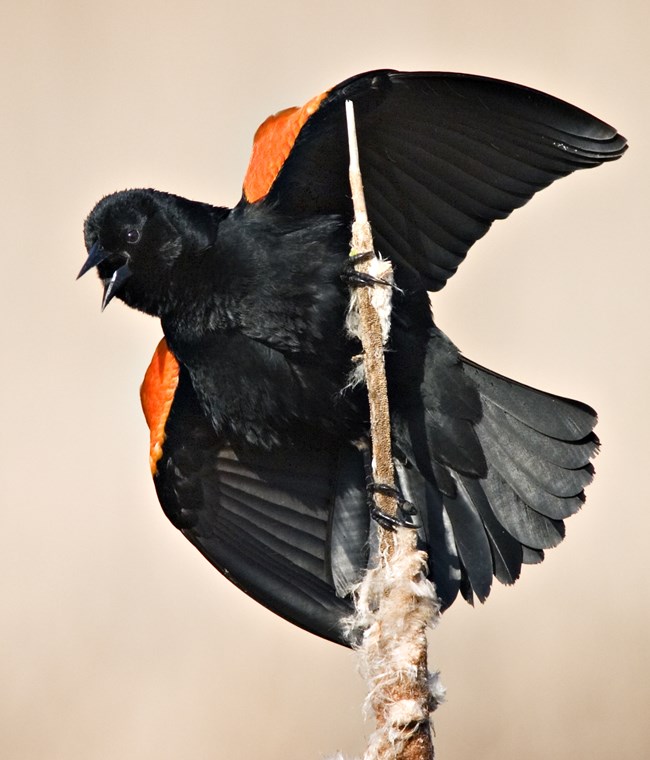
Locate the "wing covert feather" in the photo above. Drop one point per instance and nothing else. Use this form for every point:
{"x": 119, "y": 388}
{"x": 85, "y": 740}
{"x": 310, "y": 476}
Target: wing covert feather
{"x": 442, "y": 155}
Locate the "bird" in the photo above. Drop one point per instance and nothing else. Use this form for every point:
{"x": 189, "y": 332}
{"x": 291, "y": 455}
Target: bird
{"x": 258, "y": 437}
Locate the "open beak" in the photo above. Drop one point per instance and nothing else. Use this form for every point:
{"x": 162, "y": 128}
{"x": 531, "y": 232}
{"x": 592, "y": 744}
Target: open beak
{"x": 113, "y": 284}
{"x": 96, "y": 256}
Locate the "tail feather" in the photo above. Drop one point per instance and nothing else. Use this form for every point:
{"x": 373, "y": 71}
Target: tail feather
{"x": 537, "y": 449}
{"x": 541, "y": 461}
{"x": 507, "y": 554}
{"x": 531, "y": 556}
{"x": 555, "y": 479}
{"x": 471, "y": 539}
{"x": 507, "y": 484}
{"x": 565, "y": 454}
{"x": 551, "y": 492}
{"x": 525, "y": 524}
{"x": 550, "y": 415}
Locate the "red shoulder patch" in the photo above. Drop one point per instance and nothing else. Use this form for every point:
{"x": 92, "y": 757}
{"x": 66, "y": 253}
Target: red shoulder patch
{"x": 156, "y": 394}
{"x": 271, "y": 146}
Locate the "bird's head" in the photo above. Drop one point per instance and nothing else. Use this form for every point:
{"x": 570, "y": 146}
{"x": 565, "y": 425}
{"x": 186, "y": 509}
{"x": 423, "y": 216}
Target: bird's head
{"x": 135, "y": 239}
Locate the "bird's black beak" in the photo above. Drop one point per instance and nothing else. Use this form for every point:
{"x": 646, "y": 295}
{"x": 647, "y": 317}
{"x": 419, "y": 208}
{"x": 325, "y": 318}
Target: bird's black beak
{"x": 96, "y": 256}
{"x": 114, "y": 283}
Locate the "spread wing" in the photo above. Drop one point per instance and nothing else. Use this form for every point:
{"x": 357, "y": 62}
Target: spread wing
{"x": 442, "y": 156}
{"x": 288, "y": 527}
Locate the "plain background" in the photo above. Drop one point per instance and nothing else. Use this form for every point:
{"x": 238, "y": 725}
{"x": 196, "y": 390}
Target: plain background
{"x": 117, "y": 640}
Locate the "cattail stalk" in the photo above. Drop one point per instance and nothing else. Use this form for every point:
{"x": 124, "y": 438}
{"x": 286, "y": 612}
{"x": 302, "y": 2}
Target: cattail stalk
{"x": 395, "y": 602}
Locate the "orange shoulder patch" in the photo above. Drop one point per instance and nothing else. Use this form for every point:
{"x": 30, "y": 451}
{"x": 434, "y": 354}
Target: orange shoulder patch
{"x": 272, "y": 144}
{"x": 156, "y": 394}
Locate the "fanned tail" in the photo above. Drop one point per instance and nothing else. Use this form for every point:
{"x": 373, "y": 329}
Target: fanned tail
{"x": 538, "y": 449}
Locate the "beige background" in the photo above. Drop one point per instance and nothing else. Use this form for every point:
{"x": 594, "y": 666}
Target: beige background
{"x": 117, "y": 640}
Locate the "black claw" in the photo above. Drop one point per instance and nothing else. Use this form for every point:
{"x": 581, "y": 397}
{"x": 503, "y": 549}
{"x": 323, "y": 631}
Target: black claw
{"x": 361, "y": 279}
{"x": 387, "y": 522}
{"x": 406, "y": 511}
{"x": 354, "y": 279}
{"x": 355, "y": 258}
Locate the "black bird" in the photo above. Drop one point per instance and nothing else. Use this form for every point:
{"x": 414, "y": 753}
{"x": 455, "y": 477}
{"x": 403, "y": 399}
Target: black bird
{"x": 255, "y": 430}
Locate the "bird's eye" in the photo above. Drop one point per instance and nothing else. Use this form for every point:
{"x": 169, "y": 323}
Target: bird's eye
{"x": 132, "y": 236}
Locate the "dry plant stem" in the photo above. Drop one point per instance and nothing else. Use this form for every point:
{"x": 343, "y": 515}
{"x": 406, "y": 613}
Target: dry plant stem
{"x": 398, "y": 600}
{"x": 371, "y": 333}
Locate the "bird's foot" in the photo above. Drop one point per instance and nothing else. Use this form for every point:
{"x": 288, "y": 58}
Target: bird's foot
{"x": 405, "y": 516}
{"x": 354, "y": 279}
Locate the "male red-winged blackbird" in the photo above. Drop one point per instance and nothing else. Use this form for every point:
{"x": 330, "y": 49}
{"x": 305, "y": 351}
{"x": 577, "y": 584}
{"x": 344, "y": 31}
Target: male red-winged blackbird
{"x": 253, "y": 423}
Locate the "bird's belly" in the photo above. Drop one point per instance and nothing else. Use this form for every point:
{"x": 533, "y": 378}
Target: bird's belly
{"x": 259, "y": 396}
